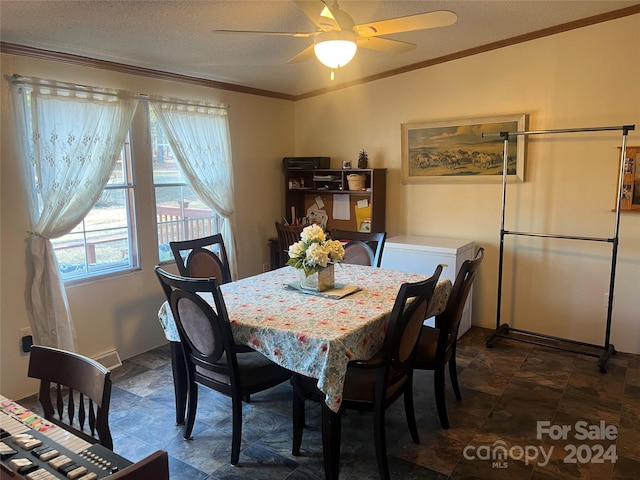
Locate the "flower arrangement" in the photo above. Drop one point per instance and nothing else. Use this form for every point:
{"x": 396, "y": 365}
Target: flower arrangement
{"x": 314, "y": 252}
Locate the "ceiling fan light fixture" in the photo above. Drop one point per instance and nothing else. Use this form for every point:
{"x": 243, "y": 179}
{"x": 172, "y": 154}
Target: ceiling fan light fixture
{"x": 335, "y": 49}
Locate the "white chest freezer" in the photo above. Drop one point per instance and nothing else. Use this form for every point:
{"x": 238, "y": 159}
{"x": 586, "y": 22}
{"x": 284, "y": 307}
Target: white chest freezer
{"x": 418, "y": 254}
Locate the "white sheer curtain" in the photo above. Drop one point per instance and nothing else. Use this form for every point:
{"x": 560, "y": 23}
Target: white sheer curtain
{"x": 69, "y": 140}
{"x": 199, "y": 137}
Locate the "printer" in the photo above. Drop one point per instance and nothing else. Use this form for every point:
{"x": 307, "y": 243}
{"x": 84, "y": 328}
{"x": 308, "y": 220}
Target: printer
{"x": 299, "y": 163}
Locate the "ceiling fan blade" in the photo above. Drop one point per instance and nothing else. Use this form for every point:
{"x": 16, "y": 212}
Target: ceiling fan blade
{"x": 385, "y": 44}
{"x": 340, "y": 19}
{"x": 318, "y": 12}
{"x": 258, "y": 32}
{"x": 303, "y": 56}
{"x": 441, "y": 18}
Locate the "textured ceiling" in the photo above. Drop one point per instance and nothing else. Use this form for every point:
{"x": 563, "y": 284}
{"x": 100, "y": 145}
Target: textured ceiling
{"x": 178, "y": 37}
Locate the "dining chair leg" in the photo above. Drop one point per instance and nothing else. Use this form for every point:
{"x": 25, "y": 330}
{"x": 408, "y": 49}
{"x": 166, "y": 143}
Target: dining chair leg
{"x": 453, "y": 374}
{"x": 410, "y": 412}
{"x": 236, "y": 434}
{"x": 380, "y": 441}
{"x": 298, "y": 421}
{"x": 179, "y": 381}
{"x": 331, "y": 435}
{"x": 438, "y": 380}
{"x": 192, "y": 400}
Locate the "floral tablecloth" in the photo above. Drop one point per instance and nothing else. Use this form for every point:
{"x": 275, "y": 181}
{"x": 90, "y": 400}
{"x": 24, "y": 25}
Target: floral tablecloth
{"x": 309, "y": 334}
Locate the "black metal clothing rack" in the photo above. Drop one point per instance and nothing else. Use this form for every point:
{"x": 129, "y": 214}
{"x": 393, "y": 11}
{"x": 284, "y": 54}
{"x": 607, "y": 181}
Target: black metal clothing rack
{"x": 503, "y": 329}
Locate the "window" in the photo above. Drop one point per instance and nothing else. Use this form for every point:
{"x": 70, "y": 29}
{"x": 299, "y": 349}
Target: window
{"x": 105, "y": 241}
{"x": 180, "y": 215}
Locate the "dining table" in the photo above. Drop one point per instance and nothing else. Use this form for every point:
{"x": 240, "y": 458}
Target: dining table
{"x": 315, "y": 334}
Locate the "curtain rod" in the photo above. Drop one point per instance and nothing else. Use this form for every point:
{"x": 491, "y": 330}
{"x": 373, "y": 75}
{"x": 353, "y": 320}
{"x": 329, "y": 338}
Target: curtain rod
{"x": 34, "y": 81}
{"x": 178, "y": 101}
{"x": 73, "y": 87}
{"x": 626, "y": 128}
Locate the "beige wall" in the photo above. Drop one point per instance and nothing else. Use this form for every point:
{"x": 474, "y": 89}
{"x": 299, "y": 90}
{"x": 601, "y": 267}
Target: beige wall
{"x": 120, "y": 312}
{"x": 584, "y": 78}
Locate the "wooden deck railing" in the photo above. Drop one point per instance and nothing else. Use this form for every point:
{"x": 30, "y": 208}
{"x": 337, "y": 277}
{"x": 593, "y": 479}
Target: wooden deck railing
{"x": 172, "y": 226}
{"x": 91, "y": 246}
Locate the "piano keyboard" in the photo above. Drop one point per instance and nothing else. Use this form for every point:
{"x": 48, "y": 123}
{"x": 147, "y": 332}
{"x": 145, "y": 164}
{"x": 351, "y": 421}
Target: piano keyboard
{"x": 35, "y": 449}
{"x": 52, "y": 432}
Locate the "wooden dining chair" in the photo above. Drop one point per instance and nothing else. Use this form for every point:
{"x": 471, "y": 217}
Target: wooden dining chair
{"x": 374, "y": 384}
{"x": 198, "y": 258}
{"x": 437, "y": 346}
{"x": 71, "y": 383}
{"x": 153, "y": 467}
{"x": 355, "y": 250}
{"x": 287, "y": 236}
{"x": 211, "y": 356}
{"x": 202, "y": 258}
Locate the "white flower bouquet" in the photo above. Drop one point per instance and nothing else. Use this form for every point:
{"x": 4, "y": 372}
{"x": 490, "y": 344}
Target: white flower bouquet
{"x": 314, "y": 252}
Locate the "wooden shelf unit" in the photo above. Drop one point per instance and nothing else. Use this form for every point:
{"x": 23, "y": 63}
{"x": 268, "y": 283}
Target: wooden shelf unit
{"x": 303, "y": 187}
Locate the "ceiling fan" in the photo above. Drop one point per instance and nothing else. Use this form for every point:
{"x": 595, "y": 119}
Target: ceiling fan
{"x": 337, "y": 37}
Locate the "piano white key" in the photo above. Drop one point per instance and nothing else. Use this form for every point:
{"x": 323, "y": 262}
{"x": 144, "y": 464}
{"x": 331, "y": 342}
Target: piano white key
{"x": 15, "y": 419}
{"x": 12, "y": 425}
{"x": 66, "y": 439}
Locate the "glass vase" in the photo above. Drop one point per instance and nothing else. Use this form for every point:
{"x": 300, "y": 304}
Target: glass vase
{"x": 319, "y": 281}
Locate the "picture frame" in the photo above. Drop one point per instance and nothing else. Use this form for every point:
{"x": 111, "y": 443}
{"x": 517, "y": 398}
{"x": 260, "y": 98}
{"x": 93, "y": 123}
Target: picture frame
{"x": 455, "y": 151}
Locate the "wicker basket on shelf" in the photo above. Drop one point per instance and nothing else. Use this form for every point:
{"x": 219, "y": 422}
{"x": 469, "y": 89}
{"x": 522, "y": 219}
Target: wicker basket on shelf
{"x": 356, "y": 181}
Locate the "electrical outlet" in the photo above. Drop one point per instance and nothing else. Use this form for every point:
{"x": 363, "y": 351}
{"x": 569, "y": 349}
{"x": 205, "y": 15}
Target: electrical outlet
{"x": 265, "y": 267}
{"x": 26, "y": 340}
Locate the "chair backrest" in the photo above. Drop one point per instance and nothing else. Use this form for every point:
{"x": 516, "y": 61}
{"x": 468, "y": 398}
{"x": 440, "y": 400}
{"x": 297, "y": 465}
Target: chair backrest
{"x": 406, "y": 321}
{"x": 202, "y": 262}
{"x": 153, "y": 467}
{"x": 358, "y": 253}
{"x": 375, "y": 241}
{"x": 85, "y": 383}
{"x": 449, "y": 320}
{"x": 205, "y": 333}
{"x": 287, "y": 236}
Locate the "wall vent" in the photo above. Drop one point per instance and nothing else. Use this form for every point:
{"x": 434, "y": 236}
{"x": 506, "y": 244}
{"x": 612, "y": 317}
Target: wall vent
{"x": 109, "y": 359}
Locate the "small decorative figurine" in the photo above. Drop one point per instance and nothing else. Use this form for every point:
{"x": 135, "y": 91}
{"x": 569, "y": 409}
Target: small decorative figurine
{"x": 363, "y": 159}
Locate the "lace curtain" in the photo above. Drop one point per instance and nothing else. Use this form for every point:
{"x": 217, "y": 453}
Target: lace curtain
{"x": 199, "y": 137}
{"x": 69, "y": 140}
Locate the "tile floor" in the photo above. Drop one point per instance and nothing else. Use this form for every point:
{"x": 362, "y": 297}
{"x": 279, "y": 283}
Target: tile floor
{"x": 506, "y": 390}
